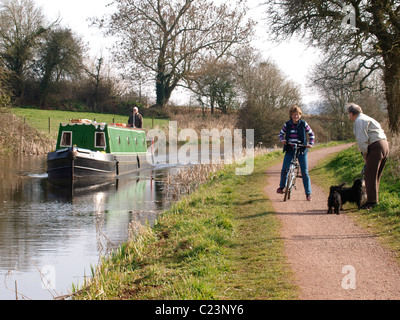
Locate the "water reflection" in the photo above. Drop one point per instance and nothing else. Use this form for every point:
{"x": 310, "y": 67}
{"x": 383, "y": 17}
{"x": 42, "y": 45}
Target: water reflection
{"x": 63, "y": 226}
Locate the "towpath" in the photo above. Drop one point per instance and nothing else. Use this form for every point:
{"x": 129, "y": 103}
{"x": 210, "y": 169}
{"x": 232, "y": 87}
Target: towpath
{"x": 332, "y": 258}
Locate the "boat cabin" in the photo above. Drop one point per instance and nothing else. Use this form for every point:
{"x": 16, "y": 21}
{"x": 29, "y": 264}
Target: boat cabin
{"x": 116, "y": 139}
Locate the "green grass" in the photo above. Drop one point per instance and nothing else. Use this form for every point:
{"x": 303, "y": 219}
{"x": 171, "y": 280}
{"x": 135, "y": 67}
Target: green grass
{"x": 25, "y": 131}
{"x": 40, "y": 118}
{"x": 221, "y": 242}
{"x": 384, "y": 219}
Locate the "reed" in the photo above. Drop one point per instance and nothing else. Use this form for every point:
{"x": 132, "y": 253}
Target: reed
{"x": 17, "y": 137}
{"x": 188, "y": 179}
{"x": 199, "y": 123}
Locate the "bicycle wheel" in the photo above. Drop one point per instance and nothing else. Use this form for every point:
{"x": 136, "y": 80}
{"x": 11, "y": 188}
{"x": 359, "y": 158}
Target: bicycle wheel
{"x": 293, "y": 185}
{"x": 289, "y": 183}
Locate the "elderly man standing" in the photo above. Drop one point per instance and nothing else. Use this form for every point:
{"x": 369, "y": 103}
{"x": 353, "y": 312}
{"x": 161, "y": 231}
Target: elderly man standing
{"x": 136, "y": 119}
{"x": 374, "y": 147}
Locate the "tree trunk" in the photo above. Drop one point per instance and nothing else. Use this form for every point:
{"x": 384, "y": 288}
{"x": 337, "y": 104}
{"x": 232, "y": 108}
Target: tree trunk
{"x": 392, "y": 85}
{"x": 160, "y": 91}
{"x": 18, "y": 84}
{"x": 43, "y": 87}
{"x": 212, "y": 105}
{"x": 163, "y": 90}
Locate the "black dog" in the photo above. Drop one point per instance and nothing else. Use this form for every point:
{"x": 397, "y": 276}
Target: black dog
{"x": 354, "y": 194}
{"x": 334, "y": 200}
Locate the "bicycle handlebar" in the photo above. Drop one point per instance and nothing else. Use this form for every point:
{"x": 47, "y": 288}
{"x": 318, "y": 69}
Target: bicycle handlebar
{"x": 298, "y": 145}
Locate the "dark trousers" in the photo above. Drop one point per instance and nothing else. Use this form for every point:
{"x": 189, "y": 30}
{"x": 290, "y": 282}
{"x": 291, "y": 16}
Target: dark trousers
{"x": 378, "y": 153}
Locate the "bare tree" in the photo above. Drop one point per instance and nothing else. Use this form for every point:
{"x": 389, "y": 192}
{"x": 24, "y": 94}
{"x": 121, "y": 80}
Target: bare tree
{"x": 267, "y": 93}
{"x": 169, "y": 39}
{"x": 337, "y": 92}
{"x": 214, "y": 86}
{"x": 95, "y": 77}
{"x": 365, "y": 32}
{"x": 100, "y": 87}
{"x": 21, "y": 25}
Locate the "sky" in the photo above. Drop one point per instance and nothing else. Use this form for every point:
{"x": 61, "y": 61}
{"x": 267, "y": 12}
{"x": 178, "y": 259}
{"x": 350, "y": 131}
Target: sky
{"x": 293, "y": 57}
{"x": 74, "y": 14}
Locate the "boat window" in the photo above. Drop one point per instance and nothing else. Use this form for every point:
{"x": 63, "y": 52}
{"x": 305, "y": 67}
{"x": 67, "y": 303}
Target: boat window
{"x": 66, "y": 139}
{"x": 100, "y": 140}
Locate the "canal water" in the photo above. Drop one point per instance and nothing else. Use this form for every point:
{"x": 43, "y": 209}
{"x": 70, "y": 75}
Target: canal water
{"x": 51, "y": 236}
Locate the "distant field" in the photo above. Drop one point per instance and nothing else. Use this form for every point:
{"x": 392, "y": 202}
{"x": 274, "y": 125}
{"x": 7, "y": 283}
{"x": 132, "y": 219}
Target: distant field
{"x": 40, "y": 118}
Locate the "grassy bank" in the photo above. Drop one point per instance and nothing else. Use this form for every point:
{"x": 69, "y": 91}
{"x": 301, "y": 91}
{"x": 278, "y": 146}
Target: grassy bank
{"x": 221, "y": 242}
{"x": 39, "y": 119}
{"x": 383, "y": 220}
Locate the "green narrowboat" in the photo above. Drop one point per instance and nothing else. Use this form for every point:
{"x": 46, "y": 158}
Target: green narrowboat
{"x": 89, "y": 149}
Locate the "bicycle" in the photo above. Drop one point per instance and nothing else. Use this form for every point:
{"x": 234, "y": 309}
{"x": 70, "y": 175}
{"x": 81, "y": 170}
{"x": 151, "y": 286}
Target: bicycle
{"x": 294, "y": 171}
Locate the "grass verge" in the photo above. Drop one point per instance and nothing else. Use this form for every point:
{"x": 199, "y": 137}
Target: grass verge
{"x": 384, "y": 219}
{"x": 221, "y": 242}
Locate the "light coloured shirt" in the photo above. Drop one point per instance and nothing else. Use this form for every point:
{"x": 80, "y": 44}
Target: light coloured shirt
{"x": 367, "y": 131}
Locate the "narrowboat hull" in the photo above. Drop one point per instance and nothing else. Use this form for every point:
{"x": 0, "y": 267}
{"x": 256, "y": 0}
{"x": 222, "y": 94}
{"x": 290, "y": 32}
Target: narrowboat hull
{"x": 76, "y": 163}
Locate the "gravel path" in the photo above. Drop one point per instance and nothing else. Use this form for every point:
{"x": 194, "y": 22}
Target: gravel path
{"x": 332, "y": 258}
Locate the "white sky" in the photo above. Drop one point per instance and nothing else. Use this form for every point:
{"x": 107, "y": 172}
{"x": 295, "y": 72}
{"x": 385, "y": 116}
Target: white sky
{"x": 74, "y": 14}
{"x": 293, "y": 58}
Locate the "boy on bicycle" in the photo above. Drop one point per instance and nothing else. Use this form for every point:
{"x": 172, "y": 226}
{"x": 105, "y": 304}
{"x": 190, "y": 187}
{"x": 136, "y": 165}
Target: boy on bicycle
{"x": 295, "y": 131}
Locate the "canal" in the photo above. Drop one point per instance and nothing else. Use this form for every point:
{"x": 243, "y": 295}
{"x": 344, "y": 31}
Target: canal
{"x": 51, "y": 236}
